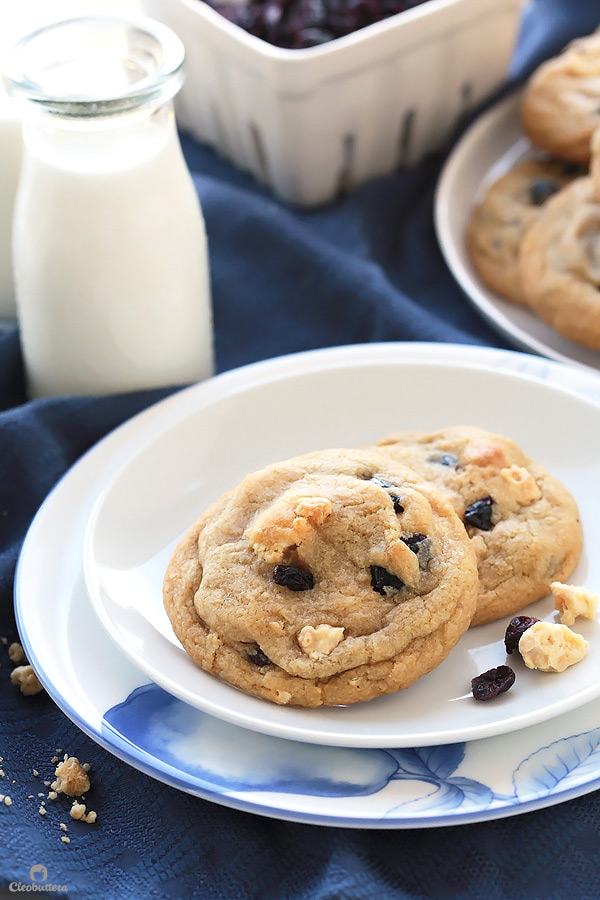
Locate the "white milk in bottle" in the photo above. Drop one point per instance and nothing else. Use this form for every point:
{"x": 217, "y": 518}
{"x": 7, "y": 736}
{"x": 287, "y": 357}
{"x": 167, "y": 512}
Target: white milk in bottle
{"x": 10, "y": 163}
{"x": 109, "y": 245}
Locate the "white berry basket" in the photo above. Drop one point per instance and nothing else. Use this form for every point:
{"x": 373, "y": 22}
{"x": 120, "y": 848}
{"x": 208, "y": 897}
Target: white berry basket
{"x": 312, "y": 123}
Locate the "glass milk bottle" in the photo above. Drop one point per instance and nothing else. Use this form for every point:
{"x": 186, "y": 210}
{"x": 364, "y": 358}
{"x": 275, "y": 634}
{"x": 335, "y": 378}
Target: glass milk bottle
{"x": 109, "y": 245}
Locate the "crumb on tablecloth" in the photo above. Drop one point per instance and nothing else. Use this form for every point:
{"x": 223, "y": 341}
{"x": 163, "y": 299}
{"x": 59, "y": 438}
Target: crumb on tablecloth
{"x": 71, "y": 777}
{"x": 26, "y": 679}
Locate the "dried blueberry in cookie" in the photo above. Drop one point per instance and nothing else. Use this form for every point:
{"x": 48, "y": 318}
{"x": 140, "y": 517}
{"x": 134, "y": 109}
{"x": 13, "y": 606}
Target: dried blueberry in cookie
{"x": 523, "y": 523}
{"x": 504, "y": 215}
{"x": 305, "y": 586}
{"x": 382, "y": 579}
{"x": 293, "y": 577}
{"x": 479, "y": 514}
{"x": 420, "y": 545}
{"x": 387, "y": 485}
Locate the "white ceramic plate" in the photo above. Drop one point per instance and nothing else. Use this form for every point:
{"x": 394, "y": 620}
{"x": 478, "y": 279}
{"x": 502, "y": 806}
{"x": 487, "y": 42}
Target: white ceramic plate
{"x": 489, "y": 148}
{"x": 108, "y": 697}
{"x": 202, "y": 442}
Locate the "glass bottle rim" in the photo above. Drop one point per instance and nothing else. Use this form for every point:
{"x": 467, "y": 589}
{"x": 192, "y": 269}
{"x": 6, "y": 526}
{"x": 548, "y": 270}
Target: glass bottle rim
{"x": 153, "y": 56}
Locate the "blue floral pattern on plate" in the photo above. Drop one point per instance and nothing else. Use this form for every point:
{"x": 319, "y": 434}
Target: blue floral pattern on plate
{"x": 211, "y": 754}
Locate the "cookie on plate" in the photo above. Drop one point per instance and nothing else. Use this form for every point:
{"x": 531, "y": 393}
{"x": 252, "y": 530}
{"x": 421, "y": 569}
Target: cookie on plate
{"x": 559, "y": 263}
{"x": 560, "y": 106}
{"x": 511, "y": 204}
{"x": 327, "y": 579}
{"x": 523, "y": 523}
{"x": 595, "y": 162}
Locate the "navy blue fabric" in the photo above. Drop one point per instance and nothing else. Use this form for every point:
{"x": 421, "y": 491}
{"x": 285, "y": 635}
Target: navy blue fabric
{"x": 366, "y": 268}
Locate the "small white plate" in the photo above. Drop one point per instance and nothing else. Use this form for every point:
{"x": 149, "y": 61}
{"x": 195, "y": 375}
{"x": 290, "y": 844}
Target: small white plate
{"x": 110, "y": 699}
{"x": 202, "y": 442}
{"x": 493, "y": 144}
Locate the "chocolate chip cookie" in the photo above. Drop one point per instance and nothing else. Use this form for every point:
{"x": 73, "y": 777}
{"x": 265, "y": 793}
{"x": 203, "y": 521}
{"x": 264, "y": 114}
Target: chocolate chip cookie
{"x": 559, "y": 263}
{"x": 330, "y": 578}
{"x": 523, "y": 523}
{"x": 560, "y": 105}
{"x": 509, "y": 207}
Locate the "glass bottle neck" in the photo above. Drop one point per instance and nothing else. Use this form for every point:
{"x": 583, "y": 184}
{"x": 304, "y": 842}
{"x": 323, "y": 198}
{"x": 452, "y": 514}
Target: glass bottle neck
{"x": 96, "y": 145}
{"x": 96, "y": 67}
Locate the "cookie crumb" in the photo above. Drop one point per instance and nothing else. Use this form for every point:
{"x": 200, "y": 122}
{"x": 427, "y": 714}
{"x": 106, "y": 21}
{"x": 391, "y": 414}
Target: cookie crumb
{"x": 7, "y": 801}
{"x": 52, "y": 795}
{"x": 78, "y": 812}
{"x": 16, "y": 654}
{"x": 71, "y": 778}
{"x": 572, "y": 601}
{"x": 551, "y": 648}
{"x": 42, "y": 811}
{"x": 65, "y": 839}
{"x": 26, "y": 679}
{"x": 35, "y": 772}
{"x": 62, "y": 826}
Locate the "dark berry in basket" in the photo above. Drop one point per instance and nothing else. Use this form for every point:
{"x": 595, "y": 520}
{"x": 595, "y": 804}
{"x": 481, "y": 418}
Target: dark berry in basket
{"x": 297, "y": 24}
{"x": 516, "y": 628}
{"x": 479, "y": 514}
{"x": 493, "y": 682}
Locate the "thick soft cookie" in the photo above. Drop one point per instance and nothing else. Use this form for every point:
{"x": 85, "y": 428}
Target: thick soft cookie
{"x": 327, "y": 579}
{"x": 523, "y": 523}
{"x": 559, "y": 263}
{"x": 560, "y": 106}
{"x": 509, "y": 207}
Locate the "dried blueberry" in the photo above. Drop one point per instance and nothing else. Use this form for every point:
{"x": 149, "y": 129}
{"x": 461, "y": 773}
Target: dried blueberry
{"x": 255, "y": 655}
{"x": 515, "y": 630}
{"x": 479, "y": 514}
{"x": 444, "y": 459}
{"x": 420, "y": 545}
{"x": 398, "y": 508}
{"x": 381, "y": 578}
{"x": 493, "y": 682}
{"x": 571, "y": 168}
{"x": 293, "y": 578}
{"x": 381, "y": 482}
{"x": 541, "y": 189}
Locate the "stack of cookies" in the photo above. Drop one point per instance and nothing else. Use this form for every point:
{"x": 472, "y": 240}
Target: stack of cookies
{"x": 341, "y": 575}
{"x": 534, "y": 238}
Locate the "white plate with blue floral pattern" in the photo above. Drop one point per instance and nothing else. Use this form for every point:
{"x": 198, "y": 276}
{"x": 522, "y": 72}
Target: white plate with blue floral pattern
{"x": 204, "y": 441}
{"x": 178, "y": 744}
